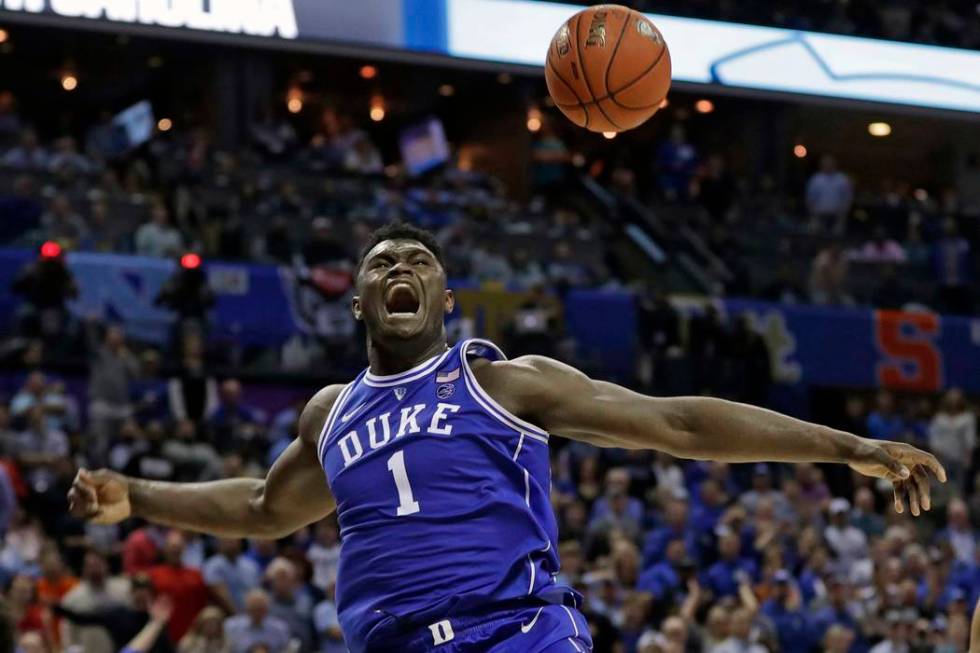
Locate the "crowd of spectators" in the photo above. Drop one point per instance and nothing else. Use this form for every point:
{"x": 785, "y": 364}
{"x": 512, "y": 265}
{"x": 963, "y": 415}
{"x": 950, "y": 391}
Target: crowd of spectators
{"x": 953, "y": 23}
{"x": 671, "y": 555}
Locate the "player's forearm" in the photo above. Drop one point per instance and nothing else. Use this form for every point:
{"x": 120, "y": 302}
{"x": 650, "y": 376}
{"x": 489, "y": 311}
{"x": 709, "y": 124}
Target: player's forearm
{"x": 975, "y": 630}
{"x": 228, "y": 508}
{"x": 715, "y": 429}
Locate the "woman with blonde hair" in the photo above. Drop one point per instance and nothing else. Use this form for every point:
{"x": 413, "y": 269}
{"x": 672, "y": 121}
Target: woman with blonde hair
{"x": 207, "y": 634}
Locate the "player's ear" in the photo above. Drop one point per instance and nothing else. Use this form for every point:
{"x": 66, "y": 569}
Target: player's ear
{"x": 355, "y": 307}
{"x": 450, "y": 301}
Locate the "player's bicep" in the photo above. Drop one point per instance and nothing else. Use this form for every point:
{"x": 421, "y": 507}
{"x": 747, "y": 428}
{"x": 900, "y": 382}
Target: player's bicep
{"x": 295, "y": 492}
{"x": 567, "y": 402}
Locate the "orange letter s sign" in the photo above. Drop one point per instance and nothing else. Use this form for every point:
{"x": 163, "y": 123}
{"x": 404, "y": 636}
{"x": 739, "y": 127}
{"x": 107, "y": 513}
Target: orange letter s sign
{"x": 910, "y": 358}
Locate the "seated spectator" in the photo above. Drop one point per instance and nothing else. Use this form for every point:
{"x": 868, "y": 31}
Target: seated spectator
{"x": 762, "y": 489}
{"x": 206, "y": 634}
{"x": 828, "y": 277}
{"x": 897, "y": 634}
{"x": 327, "y": 625}
{"x": 39, "y": 448}
{"x": 564, "y": 271}
{"x": 158, "y": 237}
{"x": 363, "y": 157}
{"x": 676, "y": 525}
{"x": 66, "y": 160}
{"x": 849, "y": 543}
{"x": 953, "y": 436}
{"x": 724, "y": 577}
{"x": 233, "y": 424}
{"x": 952, "y": 263}
{"x": 794, "y": 627}
{"x": 245, "y": 631}
{"x": 193, "y": 459}
{"x": 290, "y": 601}
{"x": 667, "y": 577}
{"x": 96, "y": 590}
{"x": 324, "y": 553}
{"x": 838, "y": 639}
{"x": 28, "y": 155}
{"x": 184, "y": 585}
{"x": 21, "y": 208}
{"x": 124, "y": 622}
{"x": 324, "y": 247}
{"x": 959, "y": 533}
{"x": 230, "y": 575}
{"x": 25, "y": 609}
{"x": 675, "y": 164}
{"x": 740, "y": 639}
{"x": 148, "y": 638}
{"x": 880, "y": 249}
{"x": 884, "y": 422}
{"x": 62, "y": 223}
{"x": 864, "y": 516}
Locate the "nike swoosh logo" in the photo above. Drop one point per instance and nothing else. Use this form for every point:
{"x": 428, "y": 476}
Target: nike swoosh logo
{"x": 346, "y": 417}
{"x": 526, "y": 628}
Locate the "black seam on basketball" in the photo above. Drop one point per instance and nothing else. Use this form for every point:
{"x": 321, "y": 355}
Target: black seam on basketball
{"x": 585, "y": 77}
{"x": 612, "y": 57}
{"x": 639, "y": 108}
{"x": 627, "y": 85}
{"x": 554, "y": 69}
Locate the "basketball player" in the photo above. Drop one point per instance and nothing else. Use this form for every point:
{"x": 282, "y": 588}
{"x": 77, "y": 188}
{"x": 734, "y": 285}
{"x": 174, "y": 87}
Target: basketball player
{"x": 436, "y": 461}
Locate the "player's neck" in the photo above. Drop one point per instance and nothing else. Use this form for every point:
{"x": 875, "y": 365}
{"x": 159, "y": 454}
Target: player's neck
{"x": 385, "y": 359}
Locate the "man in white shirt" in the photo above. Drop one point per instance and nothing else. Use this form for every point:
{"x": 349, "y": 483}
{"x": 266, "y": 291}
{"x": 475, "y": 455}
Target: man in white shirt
{"x": 96, "y": 591}
{"x": 897, "y": 637}
{"x": 847, "y": 541}
{"x": 829, "y": 194}
{"x": 740, "y": 640}
{"x": 953, "y": 436}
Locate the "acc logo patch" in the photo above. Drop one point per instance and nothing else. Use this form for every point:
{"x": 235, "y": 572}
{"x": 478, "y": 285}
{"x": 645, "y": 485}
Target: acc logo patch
{"x": 445, "y": 391}
{"x": 646, "y": 30}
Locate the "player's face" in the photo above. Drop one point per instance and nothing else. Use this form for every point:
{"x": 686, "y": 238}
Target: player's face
{"x": 402, "y": 291}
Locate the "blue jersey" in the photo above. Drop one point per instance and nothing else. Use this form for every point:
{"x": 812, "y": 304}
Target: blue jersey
{"x": 442, "y": 498}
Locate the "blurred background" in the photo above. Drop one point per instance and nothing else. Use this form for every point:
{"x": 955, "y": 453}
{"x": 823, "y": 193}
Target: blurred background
{"x": 184, "y": 191}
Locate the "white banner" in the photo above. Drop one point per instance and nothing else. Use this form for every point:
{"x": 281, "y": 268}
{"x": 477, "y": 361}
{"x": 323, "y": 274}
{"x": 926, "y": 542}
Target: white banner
{"x": 746, "y": 56}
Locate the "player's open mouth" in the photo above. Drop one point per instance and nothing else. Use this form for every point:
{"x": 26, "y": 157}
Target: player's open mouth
{"x": 401, "y": 300}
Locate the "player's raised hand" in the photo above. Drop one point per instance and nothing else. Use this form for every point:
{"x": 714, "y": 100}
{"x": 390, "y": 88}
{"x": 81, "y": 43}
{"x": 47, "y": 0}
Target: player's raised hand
{"x": 100, "y": 496}
{"x": 906, "y": 467}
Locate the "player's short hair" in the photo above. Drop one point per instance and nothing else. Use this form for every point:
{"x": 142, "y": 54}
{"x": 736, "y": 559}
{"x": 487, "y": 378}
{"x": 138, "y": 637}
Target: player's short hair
{"x": 401, "y": 231}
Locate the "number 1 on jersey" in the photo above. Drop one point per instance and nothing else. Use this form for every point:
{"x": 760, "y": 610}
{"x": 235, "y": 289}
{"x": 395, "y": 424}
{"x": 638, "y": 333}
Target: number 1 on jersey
{"x": 407, "y": 503}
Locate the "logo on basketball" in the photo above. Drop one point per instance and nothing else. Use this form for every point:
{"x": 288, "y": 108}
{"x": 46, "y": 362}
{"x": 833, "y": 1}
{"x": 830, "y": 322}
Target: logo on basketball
{"x": 597, "y": 30}
{"x": 563, "y": 41}
{"x": 646, "y": 29}
{"x": 445, "y": 391}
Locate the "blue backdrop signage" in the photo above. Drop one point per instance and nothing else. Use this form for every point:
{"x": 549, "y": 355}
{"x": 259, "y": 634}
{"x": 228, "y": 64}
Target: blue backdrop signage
{"x": 809, "y": 345}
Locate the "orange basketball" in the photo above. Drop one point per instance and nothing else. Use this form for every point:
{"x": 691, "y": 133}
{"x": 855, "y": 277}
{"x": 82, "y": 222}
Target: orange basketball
{"x": 608, "y": 68}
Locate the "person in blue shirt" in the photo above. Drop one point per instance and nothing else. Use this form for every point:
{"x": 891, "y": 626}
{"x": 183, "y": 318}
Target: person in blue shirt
{"x": 722, "y": 578}
{"x": 794, "y": 627}
{"x": 668, "y": 576}
{"x": 675, "y": 526}
{"x": 838, "y": 612}
{"x": 884, "y": 423}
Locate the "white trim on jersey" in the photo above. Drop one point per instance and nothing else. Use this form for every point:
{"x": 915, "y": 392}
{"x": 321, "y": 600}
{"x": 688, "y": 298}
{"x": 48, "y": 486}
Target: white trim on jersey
{"x": 414, "y": 374}
{"x": 570, "y": 616}
{"x": 520, "y": 443}
{"x": 331, "y": 418}
{"x": 488, "y": 403}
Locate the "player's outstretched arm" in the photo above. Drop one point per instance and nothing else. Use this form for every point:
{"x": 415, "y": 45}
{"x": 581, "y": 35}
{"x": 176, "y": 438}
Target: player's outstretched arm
{"x": 292, "y": 495}
{"x": 562, "y": 400}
